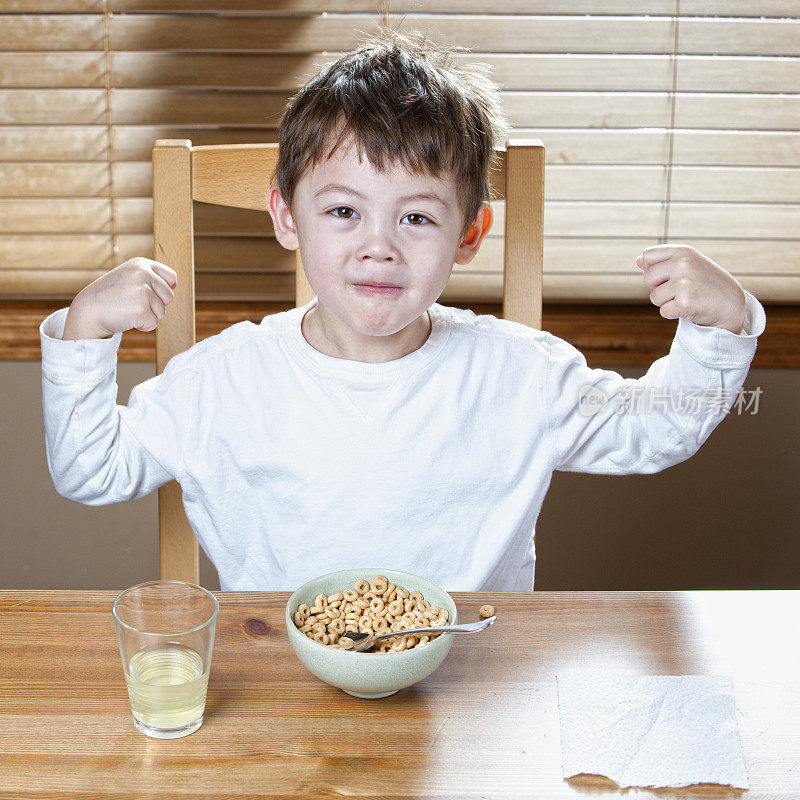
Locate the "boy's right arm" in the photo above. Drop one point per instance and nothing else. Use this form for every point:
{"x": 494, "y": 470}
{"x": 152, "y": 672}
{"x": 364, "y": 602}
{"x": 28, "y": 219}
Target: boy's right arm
{"x": 99, "y": 452}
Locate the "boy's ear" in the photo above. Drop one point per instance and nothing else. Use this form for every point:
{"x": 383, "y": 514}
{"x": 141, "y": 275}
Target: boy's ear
{"x": 282, "y": 219}
{"x": 468, "y": 247}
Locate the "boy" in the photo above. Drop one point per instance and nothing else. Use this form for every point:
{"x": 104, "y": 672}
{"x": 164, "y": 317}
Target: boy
{"x": 374, "y": 426}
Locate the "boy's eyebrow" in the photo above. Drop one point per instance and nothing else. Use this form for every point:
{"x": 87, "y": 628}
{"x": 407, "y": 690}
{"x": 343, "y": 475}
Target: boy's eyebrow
{"x": 338, "y": 187}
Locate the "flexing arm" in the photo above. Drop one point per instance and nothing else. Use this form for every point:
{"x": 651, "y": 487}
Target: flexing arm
{"x": 99, "y": 452}
{"x": 604, "y": 423}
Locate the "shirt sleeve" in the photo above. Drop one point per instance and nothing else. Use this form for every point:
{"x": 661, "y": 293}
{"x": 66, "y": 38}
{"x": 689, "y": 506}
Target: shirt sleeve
{"x": 99, "y": 452}
{"x": 601, "y": 422}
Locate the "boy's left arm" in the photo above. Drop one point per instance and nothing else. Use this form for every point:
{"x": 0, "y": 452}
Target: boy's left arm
{"x": 595, "y": 425}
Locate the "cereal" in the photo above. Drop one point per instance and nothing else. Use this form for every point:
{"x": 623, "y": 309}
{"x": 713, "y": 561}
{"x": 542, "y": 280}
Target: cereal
{"x": 376, "y": 605}
{"x": 371, "y": 607}
{"x": 486, "y": 611}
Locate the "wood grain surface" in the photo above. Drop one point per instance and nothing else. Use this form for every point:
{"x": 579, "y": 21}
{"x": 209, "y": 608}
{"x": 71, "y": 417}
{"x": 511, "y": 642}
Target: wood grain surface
{"x": 484, "y": 725}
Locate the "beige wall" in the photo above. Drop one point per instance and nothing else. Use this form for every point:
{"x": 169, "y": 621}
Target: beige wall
{"x": 726, "y": 518}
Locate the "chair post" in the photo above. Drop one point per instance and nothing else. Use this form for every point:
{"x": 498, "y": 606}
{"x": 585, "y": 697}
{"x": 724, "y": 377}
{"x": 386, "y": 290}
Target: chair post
{"x": 524, "y": 232}
{"x": 173, "y": 245}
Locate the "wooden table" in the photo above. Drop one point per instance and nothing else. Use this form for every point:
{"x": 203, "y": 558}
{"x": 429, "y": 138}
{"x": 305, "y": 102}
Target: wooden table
{"x": 484, "y": 725}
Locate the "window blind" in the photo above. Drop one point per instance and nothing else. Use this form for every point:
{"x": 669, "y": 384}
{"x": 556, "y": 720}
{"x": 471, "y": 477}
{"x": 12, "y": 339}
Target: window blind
{"x": 663, "y": 120}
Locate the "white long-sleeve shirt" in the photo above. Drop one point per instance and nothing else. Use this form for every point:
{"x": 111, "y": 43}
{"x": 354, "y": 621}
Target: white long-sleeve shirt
{"x": 294, "y": 463}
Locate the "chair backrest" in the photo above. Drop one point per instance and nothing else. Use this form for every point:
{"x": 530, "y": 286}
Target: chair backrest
{"x": 238, "y": 175}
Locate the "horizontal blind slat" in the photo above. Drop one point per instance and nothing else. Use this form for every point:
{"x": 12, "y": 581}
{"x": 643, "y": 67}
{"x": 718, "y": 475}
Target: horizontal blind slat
{"x": 498, "y": 34}
{"x": 31, "y": 143}
{"x": 579, "y": 72}
{"x": 698, "y": 36}
{"x": 52, "y": 32}
{"x": 663, "y": 7}
{"x": 73, "y": 251}
{"x": 562, "y": 145}
{"x": 57, "y": 215}
{"x": 564, "y": 182}
{"x": 53, "y": 6}
{"x": 525, "y": 109}
{"x": 52, "y": 106}
{"x": 734, "y": 8}
{"x": 479, "y": 33}
{"x": 52, "y": 69}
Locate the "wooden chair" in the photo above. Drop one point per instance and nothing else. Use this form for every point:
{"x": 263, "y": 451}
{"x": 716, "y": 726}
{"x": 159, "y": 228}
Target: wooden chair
{"x": 238, "y": 175}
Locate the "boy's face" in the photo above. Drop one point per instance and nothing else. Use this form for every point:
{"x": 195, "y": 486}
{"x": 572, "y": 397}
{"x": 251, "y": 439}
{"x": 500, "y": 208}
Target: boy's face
{"x": 357, "y": 227}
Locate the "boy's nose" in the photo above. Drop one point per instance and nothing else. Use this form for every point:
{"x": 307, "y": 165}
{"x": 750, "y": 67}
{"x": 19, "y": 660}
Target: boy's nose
{"x": 378, "y": 247}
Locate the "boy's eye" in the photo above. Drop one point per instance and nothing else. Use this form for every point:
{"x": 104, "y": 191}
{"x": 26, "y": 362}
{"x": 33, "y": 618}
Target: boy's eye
{"x": 420, "y": 217}
{"x": 348, "y": 212}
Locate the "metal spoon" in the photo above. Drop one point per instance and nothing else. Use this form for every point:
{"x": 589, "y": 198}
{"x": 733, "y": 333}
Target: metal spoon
{"x": 363, "y": 641}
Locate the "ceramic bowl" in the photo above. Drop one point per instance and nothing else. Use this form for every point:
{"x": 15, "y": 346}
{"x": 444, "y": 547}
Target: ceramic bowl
{"x": 369, "y": 675}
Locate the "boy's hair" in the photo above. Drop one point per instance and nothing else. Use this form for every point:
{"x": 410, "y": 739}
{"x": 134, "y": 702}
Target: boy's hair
{"x": 404, "y": 101}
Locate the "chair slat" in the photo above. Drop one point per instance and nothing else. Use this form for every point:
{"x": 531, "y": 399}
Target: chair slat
{"x": 233, "y": 174}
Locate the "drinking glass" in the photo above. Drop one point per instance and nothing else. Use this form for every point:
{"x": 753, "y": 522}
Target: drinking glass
{"x": 166, "y": 634}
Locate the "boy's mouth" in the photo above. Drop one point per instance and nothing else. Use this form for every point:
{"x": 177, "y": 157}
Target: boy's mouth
{"x": 377, "y": 287}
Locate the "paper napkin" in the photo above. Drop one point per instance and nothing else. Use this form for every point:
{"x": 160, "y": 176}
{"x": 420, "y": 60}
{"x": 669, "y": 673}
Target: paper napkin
{"x": 658, "y": 730}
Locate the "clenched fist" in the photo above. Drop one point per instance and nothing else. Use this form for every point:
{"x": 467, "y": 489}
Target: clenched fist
{"x": 133, "y": 295}
{"x": 687, "y": 284}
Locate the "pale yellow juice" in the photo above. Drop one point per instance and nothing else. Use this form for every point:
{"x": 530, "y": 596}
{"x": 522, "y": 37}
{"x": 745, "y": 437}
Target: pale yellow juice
{"x": 167, "y": 687}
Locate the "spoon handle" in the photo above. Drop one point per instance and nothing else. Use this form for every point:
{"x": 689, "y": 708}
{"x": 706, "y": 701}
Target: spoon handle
{"x": 467, "y": 627}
